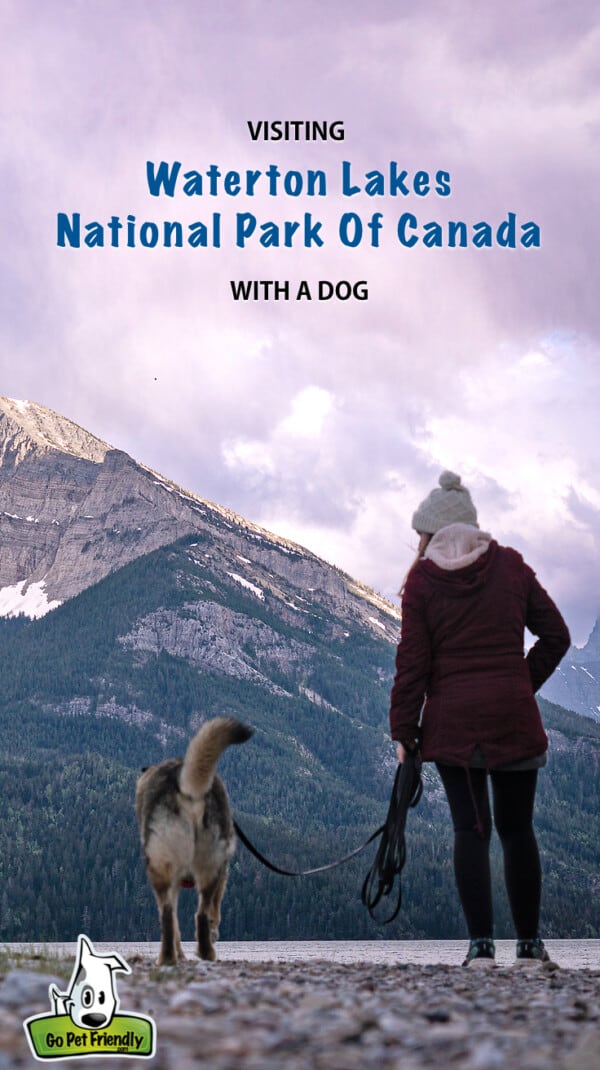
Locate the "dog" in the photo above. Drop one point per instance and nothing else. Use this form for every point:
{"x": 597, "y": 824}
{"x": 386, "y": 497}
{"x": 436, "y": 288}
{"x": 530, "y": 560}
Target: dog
{"x": 187, "y": 834}
{"x": 91, "y": 999}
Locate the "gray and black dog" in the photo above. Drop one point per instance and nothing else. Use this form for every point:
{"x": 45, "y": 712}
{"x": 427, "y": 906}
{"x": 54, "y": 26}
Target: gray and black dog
{"x": 187, "y": 834}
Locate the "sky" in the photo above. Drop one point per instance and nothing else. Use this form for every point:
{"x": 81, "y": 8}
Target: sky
{"x": 325, "y": 421}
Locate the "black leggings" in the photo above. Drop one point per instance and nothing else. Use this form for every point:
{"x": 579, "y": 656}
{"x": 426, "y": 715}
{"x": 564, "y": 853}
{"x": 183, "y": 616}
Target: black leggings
{"x": 513, "y": 796}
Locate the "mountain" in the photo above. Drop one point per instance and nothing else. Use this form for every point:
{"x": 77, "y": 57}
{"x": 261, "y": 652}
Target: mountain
{"x": 576, "y": 682}
{"x": 73, "y": 510}
{"x": 222, "y": 618}
{"x": 178, "y": 636}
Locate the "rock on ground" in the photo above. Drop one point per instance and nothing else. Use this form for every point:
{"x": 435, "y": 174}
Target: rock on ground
{"x": 328, "y": 1016}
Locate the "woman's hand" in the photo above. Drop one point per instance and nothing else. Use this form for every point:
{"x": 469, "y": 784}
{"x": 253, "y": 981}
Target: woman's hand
{"x": 401, "y": 752}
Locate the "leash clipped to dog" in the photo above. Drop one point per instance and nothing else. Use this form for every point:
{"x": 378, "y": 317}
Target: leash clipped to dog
{"x": 391, "y": 853}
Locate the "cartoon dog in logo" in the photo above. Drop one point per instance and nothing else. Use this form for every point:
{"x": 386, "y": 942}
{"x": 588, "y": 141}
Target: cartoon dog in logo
{"x": 91, "y": 1000}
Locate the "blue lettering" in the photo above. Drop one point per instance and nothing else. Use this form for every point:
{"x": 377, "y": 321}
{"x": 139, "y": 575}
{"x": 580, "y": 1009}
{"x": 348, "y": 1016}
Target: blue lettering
{"x": 68, "y": 231}
{"x": 162, "y": 180}
{"x": 407, "y": 221}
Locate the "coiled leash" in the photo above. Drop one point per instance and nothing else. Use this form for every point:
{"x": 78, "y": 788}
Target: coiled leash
{"x": 391, "y": 853}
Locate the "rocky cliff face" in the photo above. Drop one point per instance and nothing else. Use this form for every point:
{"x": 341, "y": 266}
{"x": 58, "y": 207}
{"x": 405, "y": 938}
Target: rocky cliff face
{"x": 576, "y": 683}
{"x": 74, "y": 509}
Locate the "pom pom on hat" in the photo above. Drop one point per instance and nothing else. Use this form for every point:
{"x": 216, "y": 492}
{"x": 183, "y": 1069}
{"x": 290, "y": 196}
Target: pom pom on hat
{"x": 449, "y": 480}
{"x": 450, "y": 503}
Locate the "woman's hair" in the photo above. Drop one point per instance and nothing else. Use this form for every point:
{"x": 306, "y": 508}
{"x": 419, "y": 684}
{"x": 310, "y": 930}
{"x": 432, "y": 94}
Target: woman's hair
{"x": 424, "y": 540}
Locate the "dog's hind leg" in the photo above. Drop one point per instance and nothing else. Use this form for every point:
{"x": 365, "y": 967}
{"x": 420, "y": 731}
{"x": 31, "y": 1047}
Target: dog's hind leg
{"x": 209, "y": 915}
{"x": 205, "y": 946}
{"x": 170, "y": 940}
{"x": 178, "y": 948}
{"x": 213, "y": 909}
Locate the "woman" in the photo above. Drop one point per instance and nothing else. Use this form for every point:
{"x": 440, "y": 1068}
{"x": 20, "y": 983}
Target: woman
{"x": 464, "y": 692}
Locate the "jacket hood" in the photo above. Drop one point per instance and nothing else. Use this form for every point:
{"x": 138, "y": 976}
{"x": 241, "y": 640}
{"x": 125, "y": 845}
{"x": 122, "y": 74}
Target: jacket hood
{"x": 459, "y": 558}
{"x": 457, "y": 545}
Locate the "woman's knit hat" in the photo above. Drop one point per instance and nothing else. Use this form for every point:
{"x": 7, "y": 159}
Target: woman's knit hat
{"x": 449, "y": 504}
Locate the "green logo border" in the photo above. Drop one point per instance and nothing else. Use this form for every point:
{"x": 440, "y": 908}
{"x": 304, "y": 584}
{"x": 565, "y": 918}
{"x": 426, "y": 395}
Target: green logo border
{"x": 70, "y": 1041}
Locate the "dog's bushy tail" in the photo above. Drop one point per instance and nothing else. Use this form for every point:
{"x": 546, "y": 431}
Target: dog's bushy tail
{"x": 204, "y": 751}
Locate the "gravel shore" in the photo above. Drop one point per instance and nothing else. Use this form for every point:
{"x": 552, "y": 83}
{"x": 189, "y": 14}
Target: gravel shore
{"x": 236, "y": 1015}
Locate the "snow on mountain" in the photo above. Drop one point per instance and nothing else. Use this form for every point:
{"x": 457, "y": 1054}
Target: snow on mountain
{"x": 32, "y": 601}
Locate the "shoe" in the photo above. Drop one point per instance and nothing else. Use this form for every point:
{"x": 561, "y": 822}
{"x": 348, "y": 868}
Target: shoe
{"x": 533, "y": 953}
{"x": 481, "y": 952}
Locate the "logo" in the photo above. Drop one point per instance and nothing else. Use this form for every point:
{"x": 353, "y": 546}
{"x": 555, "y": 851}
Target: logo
{"x": 84, "y": 1019}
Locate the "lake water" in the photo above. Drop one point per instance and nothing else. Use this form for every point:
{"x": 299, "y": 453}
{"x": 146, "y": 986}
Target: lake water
{"x": 571, "y": 954}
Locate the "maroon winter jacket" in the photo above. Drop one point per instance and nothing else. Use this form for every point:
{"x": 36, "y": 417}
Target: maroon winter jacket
{"x": 462, "y": 654}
